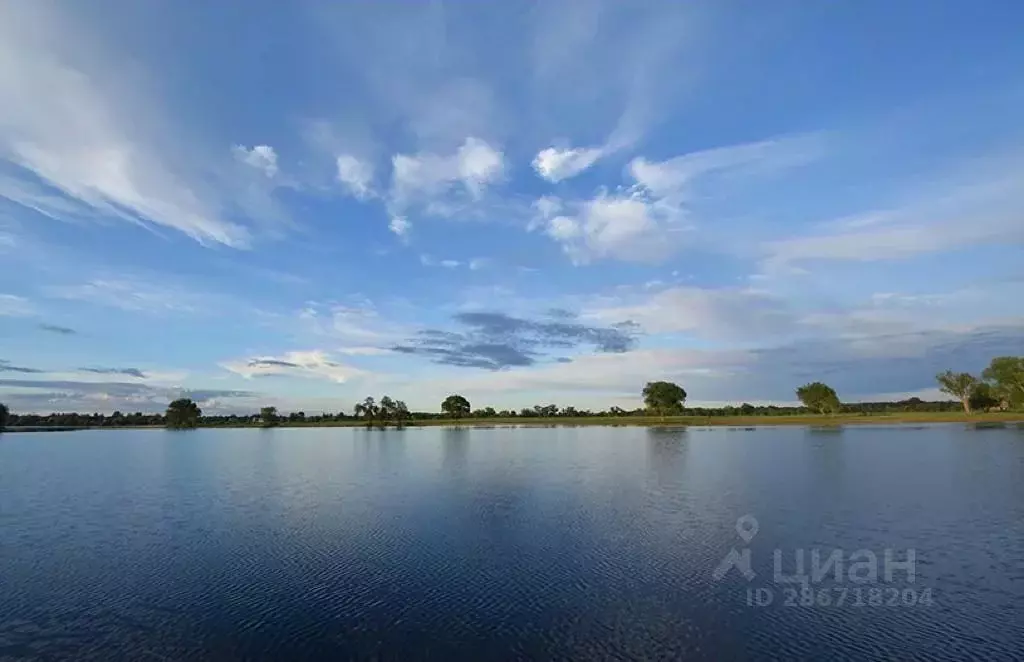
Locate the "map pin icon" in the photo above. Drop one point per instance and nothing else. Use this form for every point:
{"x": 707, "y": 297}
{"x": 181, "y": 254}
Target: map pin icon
{"x": 746, "y": 527}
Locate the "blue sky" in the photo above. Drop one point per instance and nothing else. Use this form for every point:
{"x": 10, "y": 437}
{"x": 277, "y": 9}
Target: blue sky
{"x": 304, "y": 203}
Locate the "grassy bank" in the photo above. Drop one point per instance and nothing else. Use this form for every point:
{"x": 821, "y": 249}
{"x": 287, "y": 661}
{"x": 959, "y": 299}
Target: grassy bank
{"x": 902, "y": 418}
{"x": 728, "y": 421}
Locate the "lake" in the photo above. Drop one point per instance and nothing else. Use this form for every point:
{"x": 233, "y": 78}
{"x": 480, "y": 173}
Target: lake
{"x": 513, "y": 543}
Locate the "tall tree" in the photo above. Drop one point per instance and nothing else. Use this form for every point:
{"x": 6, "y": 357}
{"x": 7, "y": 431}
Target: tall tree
{"x": 400, "y": 413}
{"x": 1006, "y": 374}
{"x": 367, "y": 409}
{"x": 819, "y": 397}
{"x": 961, "y": 385}
{"x": 456, "y": 406}
{"x": 183, "y": 414}
{"x": 268, "y": 416}
{"x": 664, "y": 398}
{"x": 5, "y": 414}
{"x": 387, "y": 410}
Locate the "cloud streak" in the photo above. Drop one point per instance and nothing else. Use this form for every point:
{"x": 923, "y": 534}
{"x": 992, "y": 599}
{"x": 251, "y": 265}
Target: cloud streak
{"x": 15, "y": 306}
{"x": 312, "y": 364}
{"x": 982, "y": 208}
{"x": 495, "y": 341}
{"x": 6, "y": 366}
{"x": 59, "y": 330}
{"x": 84, "y": 136}
{"x": 130, "y": 372}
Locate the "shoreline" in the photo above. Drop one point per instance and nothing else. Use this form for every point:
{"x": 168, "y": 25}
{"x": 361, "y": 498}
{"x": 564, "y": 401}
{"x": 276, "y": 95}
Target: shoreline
{"x": 812, "y": 420}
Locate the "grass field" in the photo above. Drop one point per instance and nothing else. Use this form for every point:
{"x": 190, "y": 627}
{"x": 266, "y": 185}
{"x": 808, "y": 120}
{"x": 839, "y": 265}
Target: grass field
{"x": 902, "y": 418}
{"x": 729, "y": 421}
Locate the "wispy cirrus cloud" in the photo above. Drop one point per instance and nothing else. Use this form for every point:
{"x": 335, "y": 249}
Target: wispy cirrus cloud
{"x": 12, "y": 305}
{"x": 261, "y": 157}
{"x": 135, "y": 296}
{"x": 726, "y": 313}
{"x": 83, "y": 135}
{"x": 635, "y": 49}
{"x": 311, "y": 364}
{"x": 353, "y": 325}
{"x": 977, "y": 208}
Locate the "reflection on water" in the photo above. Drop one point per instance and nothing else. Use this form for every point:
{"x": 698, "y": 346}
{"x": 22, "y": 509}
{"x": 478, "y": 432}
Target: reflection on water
{"x": 530, "y": 542}
{"x": 455, "y": 441}
{"x": 666, "y": 448}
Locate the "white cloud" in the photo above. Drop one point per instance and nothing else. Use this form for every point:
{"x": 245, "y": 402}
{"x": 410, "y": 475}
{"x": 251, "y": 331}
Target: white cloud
{"x": 643, "y": 222}
{"x": 422, "y": 177}
{"x": 15, "y": 306}
{"x": 478, "y": 263}
{"x": 79, "y": 122}
{"x": 555, "y": 164}
{"x": 479, "y": 165}
{"x": 314, "y": 364}
{"x": 355, "y": 175}
{"x": 364, "y": 351}
{"x": 563, "y": 228}
{"x": 400, "y": 226}
{"x": 547, "y": 206}
{"x": 358, "y": 326}
{"x": 430, "y": 261}
{"x": 261, "y": 157}
{"x": 713, "y": 314}
{"x": 544, "y": 209}
{"x": 625, "y": 226}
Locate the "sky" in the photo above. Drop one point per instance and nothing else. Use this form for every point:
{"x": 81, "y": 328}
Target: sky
{"x": 301, "y": 204}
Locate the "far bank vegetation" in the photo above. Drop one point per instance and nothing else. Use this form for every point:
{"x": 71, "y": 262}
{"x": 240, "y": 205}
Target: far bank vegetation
{"x": 998, "y": 388}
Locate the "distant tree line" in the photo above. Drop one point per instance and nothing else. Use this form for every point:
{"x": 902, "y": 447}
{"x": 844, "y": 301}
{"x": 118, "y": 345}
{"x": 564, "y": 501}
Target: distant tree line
{"x": 268, "y": 416}
{"x": 1000, "y": 387}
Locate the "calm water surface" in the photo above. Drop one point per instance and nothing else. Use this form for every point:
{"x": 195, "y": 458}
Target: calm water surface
{"x": 477, "y": 544}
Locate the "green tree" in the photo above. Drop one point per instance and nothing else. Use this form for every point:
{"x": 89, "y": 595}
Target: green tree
{"x": 456, "y": 406}
{"x": 183, "y": 414}
{"x": 268, "y": 417}
{"x": 387, "y": 408}
{"x": 819, "y": 397}
{"x": 367, "y": 409}
{"x": 960, "y": 385}
{"x": 5, "y": 414}
{"x": 1006, "y": 375}
{"x": 400, "y": 413}
{"x": 984, "y": 397}
{"x": 664, "y": 398}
